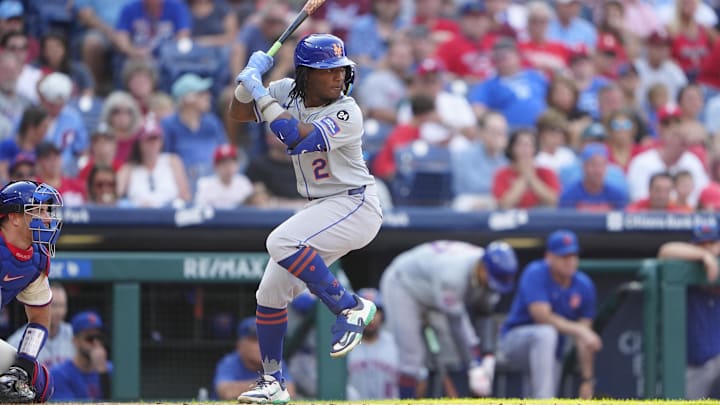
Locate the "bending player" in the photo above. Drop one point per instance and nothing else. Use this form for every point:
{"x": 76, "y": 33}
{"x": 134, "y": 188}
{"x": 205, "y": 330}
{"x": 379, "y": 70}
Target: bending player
{"x": 30, "y": 222}
{"x": 447, "y": 276}
{"x": 322, "y": 129}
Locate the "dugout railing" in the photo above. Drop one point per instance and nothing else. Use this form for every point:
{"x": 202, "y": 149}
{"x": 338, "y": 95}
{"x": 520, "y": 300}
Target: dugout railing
{"x": 664, "y": 284}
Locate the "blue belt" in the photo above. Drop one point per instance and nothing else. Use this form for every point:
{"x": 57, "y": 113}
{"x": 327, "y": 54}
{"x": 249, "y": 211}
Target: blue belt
{"x": 352, "y": 191}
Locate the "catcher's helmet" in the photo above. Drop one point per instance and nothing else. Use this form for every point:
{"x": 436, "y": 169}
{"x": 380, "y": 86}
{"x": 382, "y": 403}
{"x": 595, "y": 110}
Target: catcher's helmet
{"x": 43, "y": 203}
{"x": 501, "y": 265}
{"x": 324, "y": 51}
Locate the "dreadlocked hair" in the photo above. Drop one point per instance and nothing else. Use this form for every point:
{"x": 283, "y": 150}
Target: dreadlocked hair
{"x": 301, "y": 79}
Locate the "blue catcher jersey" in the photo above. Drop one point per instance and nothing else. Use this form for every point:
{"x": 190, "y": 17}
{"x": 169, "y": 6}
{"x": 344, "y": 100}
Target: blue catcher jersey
{"x": 19, "y": 268}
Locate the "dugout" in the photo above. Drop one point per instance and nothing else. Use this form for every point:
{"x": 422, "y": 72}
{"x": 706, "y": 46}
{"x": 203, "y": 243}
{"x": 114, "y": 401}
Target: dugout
{"x": 166, "y": 279}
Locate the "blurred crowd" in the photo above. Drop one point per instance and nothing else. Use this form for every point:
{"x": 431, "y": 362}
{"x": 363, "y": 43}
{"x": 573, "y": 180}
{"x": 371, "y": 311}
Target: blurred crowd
{"x": 582, "y": 104}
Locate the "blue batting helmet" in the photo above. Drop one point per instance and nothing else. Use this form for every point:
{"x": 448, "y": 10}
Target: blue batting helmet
{"x": 43, "y": 203}
{"x": 324, "y": 51}
{"x": 501, "y": 265}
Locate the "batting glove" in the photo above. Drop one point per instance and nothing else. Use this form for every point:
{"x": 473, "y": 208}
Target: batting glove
{"x": 480, "y": 376}
{"x": 261, "y": 61}
{"x": 250, "y": 78}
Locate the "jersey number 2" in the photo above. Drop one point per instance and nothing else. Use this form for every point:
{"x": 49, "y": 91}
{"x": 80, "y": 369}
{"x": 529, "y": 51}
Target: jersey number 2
{"x": 319, "y": 169}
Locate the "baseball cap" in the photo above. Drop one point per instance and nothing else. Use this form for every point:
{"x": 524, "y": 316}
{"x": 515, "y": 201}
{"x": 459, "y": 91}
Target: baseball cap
{"x": 669, "y": 112}
{"x": 55, "y": 87}
{"x": 710, "y": 197}
{"x": 150, "y": 128}
{"x": 563, "y": 242}
{"x": 593, "y": 149}
{"x": 430, "y": 65}
{"x": 86, "y": 320}
{"x": 578, "y": 53}
{"x": 594, "y": 131}
{"x": 20, "y": 158}
{"x": 658, "y": 38}
{"x": 607, "y": 43}
{"x": 473, "y": 7}
{"x": 11, "y": 9}
{"x": 705, "y": 233}
{"x": 224, "y": 152}
{"x": 45, "y": 149}
{"x": 247, "y": 328}
{"x": 190, "y": 83}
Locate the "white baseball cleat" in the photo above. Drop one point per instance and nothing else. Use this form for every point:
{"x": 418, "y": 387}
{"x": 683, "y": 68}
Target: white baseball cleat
{"x": 267, "y": 390}
{"x": 349, "y": 326}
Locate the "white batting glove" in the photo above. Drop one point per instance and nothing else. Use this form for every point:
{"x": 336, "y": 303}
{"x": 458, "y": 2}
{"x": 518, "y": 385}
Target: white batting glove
{"x": 480, "y": 377}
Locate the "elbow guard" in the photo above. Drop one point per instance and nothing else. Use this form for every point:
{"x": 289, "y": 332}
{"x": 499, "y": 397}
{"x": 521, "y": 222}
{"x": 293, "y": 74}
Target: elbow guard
{"x": 286, "y": 130}
{"x": 315, "y": 141}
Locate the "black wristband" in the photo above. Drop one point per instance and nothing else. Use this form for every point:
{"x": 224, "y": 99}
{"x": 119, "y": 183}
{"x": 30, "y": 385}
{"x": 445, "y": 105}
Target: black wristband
{"x": 25, "y": 364}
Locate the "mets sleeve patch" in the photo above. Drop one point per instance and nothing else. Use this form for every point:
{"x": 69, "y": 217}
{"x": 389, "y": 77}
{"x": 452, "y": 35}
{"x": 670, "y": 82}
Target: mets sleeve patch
{"x": 329, "y": 127}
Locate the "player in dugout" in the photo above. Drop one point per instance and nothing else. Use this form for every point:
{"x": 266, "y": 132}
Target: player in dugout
{"x": 30, "y": 222}
{"x": 446, "y": 276}
{"x": 322, "y": 129}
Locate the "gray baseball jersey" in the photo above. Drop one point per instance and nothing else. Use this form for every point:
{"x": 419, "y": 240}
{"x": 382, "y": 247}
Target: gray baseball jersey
{"x": 373, "y": 369}
{"x": 434, "y": 275}
{"x": 437, "y": 274}
{"x": 341, "y": 167}
{"x": 57, "y": 348}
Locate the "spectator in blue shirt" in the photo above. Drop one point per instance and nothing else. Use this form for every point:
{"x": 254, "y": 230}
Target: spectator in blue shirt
{"x": 370, "y": 36}
{"x": 515, "y": 92}
{"x": 474, "y": 167}
{"x": 66, "y": 130}
{"x": 554, "y": 301}
{"x": 239, "y": 369}
{"x": 193, "y": 132}
{"x": 144, "y": 25}
{"x": 593, "y": 191}
{"x": 30, "y": 133}
{"x": 86, "y": 377}
{"x": 569, "y": 28}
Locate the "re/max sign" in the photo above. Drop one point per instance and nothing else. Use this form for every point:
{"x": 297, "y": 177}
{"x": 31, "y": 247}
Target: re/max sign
{"x": 214, "y": 268}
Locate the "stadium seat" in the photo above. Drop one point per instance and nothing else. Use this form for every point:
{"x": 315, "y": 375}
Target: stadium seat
{"x": 43, "y": 16}
{"x": 374, "y": 138}
{"x": 90, "y": 109}
{"x": 204, "y": 61}
{"x": 423, "y": 176}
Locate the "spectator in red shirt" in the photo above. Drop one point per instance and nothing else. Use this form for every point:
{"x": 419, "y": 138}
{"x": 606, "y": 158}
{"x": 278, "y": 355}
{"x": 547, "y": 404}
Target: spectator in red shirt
{"x": 710, "y": 198}
{"x": 423, "y": 110}
{"x": 428, "y": 13}
{"x": 660, "y": 196}
{"x": 49, "y": 170}
{"x": 691, "y": 42}
{"x": 537, "y": 51}
{"x": 103, "y": 151}
{"x": 523, "y": 184}
{"x": 466, "y": 56}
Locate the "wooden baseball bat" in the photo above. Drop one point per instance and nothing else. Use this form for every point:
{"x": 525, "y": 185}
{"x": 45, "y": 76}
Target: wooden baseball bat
{"x": 307, "y": 10}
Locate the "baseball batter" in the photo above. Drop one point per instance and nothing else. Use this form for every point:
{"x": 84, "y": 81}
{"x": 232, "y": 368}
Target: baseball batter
{"x": 29, "y": 226}
{"x": 322, "y": 129}
{"x": 445, "y": 275}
